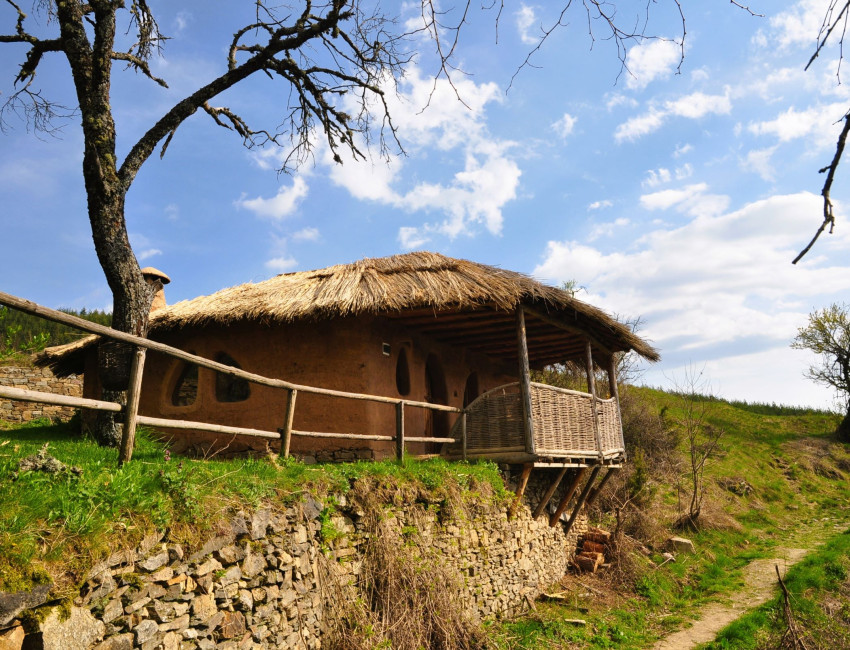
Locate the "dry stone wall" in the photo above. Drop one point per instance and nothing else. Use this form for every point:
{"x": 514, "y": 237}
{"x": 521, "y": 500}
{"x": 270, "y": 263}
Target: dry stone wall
{"x": 39, "y": 379}
{"x": 265, "y": 580}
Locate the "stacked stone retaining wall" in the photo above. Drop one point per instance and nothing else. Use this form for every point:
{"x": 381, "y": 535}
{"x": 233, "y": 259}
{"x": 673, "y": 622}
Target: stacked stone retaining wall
{"x": 268, "y": 579}
{"x": 38, "y": 379}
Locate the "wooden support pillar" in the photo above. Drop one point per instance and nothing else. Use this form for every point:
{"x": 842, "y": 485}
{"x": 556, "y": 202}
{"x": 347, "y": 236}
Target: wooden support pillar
{"x": 581, "y": 500}
{"x": 612, "y": 379}
{"x": 463, "y": 435}
{"x": 611, "y": 471}
{"x": 569, "y": 495}
{"x": 591, "y": 387}
{"x": 615, "y": 393}
{"x": 549, "y": 492}
{"x": 287, "y": 424}
{"x": 520, "y": 488}
{"x": 399, "y": 431}
{"x": 525, "y": 381}
{"x": 134, "y": 393}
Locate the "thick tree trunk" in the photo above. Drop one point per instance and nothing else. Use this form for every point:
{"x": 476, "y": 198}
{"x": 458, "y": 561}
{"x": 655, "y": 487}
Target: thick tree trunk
{"x": 91, "y": 67}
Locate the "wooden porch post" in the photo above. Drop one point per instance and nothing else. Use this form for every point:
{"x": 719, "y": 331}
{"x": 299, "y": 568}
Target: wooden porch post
{"x": 520, "y": 488}
{"x": 566, "y": 500}
{"x": 591, "y": 386}
{"x": 287, "y": 425}
{"x": 549, "y": 492}
{"x": 128, "y": 435}
{"x": 582, "y": 499}
{"x": 612, "y": 379}
{"x": 598, "y": 488}
{"x": 524, "y": 381}
{"x": 399, "y": 432}
{"x": 615, "y": 393}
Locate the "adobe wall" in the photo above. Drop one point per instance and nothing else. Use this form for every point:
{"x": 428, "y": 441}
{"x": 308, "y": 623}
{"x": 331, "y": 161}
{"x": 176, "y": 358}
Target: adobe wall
{"x": 270, "y": 581}
{"x": 38, "y": 379}
{"x": 343, "y": 354}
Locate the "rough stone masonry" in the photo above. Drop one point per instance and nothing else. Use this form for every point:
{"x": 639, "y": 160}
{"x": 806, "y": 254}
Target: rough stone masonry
{"x": 259, "y": 583}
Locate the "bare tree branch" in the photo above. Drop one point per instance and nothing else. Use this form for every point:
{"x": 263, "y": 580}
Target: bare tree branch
{"x": 828, "y": 208}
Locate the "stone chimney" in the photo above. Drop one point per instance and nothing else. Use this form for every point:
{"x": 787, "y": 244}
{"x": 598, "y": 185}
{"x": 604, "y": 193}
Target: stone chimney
{"x": 157, "y": 279}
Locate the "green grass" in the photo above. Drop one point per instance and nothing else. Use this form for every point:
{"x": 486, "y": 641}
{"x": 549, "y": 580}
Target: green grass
{"x": 822, "y": 575}
{"x": 799, "y": 476}
{"x": 61, "y": 523}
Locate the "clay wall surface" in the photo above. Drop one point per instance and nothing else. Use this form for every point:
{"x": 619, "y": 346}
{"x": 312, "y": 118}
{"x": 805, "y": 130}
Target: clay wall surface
{"x": 268, "y": 580}
{"x": 38, "y": 379}
{"x": 344, "y": 354}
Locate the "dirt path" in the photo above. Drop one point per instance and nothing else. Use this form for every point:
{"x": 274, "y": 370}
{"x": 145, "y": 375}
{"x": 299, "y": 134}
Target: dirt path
{"x": 759, "y": 585}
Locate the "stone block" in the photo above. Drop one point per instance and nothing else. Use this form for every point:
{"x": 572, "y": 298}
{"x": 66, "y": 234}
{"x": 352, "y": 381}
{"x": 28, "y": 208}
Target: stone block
{"x": 12, "y": 639}
{"x": 79, "y": 631}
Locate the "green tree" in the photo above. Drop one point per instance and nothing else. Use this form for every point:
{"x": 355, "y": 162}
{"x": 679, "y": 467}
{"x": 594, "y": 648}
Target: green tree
{"x": 828, "y": 335}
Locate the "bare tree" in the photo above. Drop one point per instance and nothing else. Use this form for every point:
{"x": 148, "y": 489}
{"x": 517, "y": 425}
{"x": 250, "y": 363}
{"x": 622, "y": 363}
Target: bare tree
{"x": 700, "y": 436}
{"x": 325, "y": 52}
{"x": 321, "y": 52}
{"x": 833, "y": 28}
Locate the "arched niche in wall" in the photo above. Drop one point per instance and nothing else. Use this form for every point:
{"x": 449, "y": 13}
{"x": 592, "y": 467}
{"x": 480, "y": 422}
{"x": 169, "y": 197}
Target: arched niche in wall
{"x": 185, "y": 390}
{"x": 402, "y": 373}
{"x": 471, "y": 389}
{"x": 436, "y": 392}
{"x": 227, "y": 387}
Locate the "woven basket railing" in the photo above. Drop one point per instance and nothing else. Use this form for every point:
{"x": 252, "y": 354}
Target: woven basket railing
{"x": 562, "y": 419}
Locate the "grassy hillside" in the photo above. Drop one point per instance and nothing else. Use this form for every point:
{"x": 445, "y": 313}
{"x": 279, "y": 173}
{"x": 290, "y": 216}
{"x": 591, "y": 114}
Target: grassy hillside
{"x": 776, "y": 478}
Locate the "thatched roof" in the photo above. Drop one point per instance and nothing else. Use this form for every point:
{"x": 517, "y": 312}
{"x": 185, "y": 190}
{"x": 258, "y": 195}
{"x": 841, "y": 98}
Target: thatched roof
{"x": 419, "y": 290}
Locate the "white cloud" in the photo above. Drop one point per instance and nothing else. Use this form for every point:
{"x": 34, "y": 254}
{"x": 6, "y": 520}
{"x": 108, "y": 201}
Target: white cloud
{"x": 759, "y": 161}
{"x": 818, "y": 123}
{"x": 698, "y": 105}
{"x": 525, "y": 20}
{"x": 411, "y": 237}
{"x": 650, "y": 61}
{"x": 718, "y": 286}
{"x": 656, "y": 177}
{"x": 683, "y": 172}
{"x": 618, "y": 99}
{"x": 281, "y": 264}
{"x": 693, "y": 106}
{"x": 485, "y": 179}
{"x": 172, "y": 211}
{"x": 607, "y": 228}
{"x": 307, "y": 234}
{"x": 283, "y": 204}
{"x": 641, "y": 125}
{"x": 799, "y": 25}
{"x": 693, "y": 200}
{"x": 598, "y": 205}
{"x": 682, "y": 150}
{"x": 147, "y": 254}
{"x": 564, "y": 126}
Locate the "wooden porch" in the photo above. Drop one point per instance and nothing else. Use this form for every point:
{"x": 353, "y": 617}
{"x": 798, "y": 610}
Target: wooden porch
{"x": 569, "y": 428}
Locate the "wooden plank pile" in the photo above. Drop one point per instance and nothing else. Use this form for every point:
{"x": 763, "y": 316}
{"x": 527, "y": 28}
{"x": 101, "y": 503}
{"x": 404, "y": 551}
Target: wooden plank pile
{"x": 592, "y": 554}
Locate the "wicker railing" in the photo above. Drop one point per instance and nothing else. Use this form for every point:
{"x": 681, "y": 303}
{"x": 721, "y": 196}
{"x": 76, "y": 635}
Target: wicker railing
{"x": 562, "y": 419}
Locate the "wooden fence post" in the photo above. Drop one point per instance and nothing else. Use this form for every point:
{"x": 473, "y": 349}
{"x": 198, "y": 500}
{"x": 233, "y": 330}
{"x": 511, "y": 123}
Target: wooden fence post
{"x": 134, "y": 392}
{"x": 287, "y": 424}
{"x": 399, "y": 431}
{"x": 463, "y": 434}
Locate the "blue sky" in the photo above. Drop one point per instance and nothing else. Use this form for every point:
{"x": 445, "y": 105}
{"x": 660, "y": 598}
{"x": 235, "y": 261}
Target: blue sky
{"x": 680, "y": 197}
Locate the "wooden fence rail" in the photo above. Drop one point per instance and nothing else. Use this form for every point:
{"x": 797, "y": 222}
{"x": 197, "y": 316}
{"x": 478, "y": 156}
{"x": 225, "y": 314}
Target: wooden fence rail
{"x": 132, "y": 418}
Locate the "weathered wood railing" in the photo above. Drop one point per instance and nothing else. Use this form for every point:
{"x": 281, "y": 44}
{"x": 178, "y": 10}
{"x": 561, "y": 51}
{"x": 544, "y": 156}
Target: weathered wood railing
{"x": 132, "y": 418}
{"x": 567, "y": 424}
